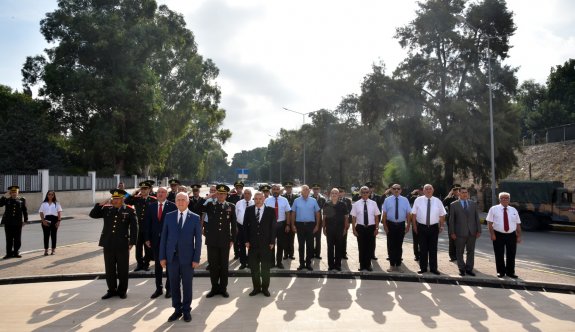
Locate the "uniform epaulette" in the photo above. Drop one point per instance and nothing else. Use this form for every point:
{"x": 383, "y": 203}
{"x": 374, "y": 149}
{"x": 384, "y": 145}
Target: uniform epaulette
{"x": 107, "y": 205}
{"x": 154, "y": 197}
{"x": 130, "y": 206}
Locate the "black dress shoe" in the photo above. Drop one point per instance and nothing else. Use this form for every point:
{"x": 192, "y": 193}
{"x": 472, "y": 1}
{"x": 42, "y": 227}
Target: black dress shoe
{"x": 109, "y": 295}
{"x": 266, "y": 292}
{"x": 236, "y": 257}
{"x": 338, "y": 268}
{"x": 138, "y": 268}
{"x": 452, "y": 259}
{"x": 254, "y": 292}
{"x": 317, "y": 257}
{"x": 207, "y": 267}
{"x": 344, "y": 257}
{"x": 416, "y": 259}
{"x": 123, "y": 295}
{"x": 168, "y": 294}
{"x": 471, "y": 273}
{"x": 212, "y": 293}
{"x": 435, "y": 272}
{"x": 175, "y": 316}
{"x": 157, "y": 293}
{"x": 225, "y": 294}
{"x": 462, "y": 273}
{"x": 309, "y": 268}
{"x": 514, "y": 276}
{"x": 280, "y": 266}
{"x": 301, "y": 267}
{"x": 17, "y": 256}
{"x": 146, "y": 268}
{"x": 374, "y": 258}
{"x": 7, "y": 256}
{"x": 187, "y": 317}
{"x": 243, "y": 266}
{"x": 500, "y": 275}
{"x": 285, "y": 257}
{"x": 369, "y": 269}
{"x": 291, "y": 257}
{"x": 421, "y": 271}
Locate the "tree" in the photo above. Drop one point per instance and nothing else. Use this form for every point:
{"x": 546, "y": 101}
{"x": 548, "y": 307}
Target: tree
{"x": 126, "y": 81}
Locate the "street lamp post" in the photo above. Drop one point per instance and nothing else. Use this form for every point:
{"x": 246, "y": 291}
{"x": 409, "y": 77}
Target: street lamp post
{"x": 303, "y": 143}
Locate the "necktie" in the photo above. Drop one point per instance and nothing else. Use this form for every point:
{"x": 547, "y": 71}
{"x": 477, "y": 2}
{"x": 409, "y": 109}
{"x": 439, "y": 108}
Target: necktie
{"x": 365, "y": 216}
{"x": 258, "y": 215}
{"x": 396, "y": 208}
{"x": 277, "y": 209}
{"x": 160, "y": 212}
{"x": 428, "y": 217}
{"x": 505, "y": 220}
{"x": 465, "y": 205}
{"x": 181, "y": 220}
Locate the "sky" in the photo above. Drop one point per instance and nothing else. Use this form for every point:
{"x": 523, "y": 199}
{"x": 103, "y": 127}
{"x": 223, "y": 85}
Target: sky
{"x": 301, "y": 55}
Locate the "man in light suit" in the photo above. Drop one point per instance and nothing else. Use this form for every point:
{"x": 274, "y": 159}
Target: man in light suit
{"x": 464, "y": 229}
{"x": 260, "y": 227}
{"x": 180, "y": 249}
{"x": 153, "y": 222}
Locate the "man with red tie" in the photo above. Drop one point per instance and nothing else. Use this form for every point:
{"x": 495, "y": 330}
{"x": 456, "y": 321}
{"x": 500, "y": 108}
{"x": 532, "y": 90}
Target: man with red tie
{"x": 153, "y": 222}
{"x": 505, "y": 229}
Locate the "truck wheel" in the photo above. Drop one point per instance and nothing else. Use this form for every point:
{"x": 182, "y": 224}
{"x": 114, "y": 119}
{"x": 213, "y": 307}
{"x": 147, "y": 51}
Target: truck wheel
{"x": 529, "y": 222}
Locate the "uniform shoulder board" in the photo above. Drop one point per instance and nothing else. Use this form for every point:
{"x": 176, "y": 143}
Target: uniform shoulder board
{"x": 153, "y": 197}
{"x": 130, "y": 207}
{"x": 107, "y": 205}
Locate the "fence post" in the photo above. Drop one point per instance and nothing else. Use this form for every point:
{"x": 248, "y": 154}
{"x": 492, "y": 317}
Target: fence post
{"x": 93, "y": 176}
{"x": 135, "y": 181}
{"x": 117, "y": 176}
{"x": 165, "y": 182}
{"x": 44, "y": 174}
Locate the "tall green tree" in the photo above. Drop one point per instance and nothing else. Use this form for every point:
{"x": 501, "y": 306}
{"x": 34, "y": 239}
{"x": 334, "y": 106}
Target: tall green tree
{"x": 126, "y": 80}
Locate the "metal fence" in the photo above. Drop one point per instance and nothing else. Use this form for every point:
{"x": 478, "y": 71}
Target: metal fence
{"x": 69, "y": 182}
{"x": 550, "y": 135}
{"x": 33, "y": 182}
{"x": 26, "y": 182}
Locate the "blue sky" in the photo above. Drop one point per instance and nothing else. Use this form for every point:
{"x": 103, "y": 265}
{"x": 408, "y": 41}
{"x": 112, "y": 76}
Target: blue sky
{"x": 301, "y": 54}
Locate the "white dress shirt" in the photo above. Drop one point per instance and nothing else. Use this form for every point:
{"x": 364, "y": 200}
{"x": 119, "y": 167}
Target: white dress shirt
{"x": 50, "y": 209}
{"x": 372, "y": 211}
{"x": 283, "y": 206}
{"x": 241, "y": 207}
{"x": 420, "y": 210}
{"x": 495, "y": 216}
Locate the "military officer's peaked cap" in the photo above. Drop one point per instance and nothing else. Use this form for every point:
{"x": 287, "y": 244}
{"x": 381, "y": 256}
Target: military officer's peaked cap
{"x": 369, "y": 184}
{"x": 265, "y": 187}
{"x": 341, "y": 188}
{"x": 173, "y": 181}
{"x": 238, "y": 184}
{"x": 288, "y": 184}
{"x": 196, "y": 186}
{"x": 222, "y": 188}
{"x": 151, "y": 182}
{"x": 13, "y": 188}
{"x": 144, "y": 184}
{"x": 315, "y": 186}
{"x": 118, "y": 193}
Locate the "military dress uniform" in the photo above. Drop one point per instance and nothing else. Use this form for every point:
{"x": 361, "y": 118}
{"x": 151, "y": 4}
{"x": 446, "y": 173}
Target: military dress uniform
{"x": 289, "y": 250}
{"x": 196, "y": 204}
{"x": 220, "y": 231}
{"x": 174, "y": 190}
{"x": 446, "y": 204}
{"x": 143, "y": 254}
{"x": 15, "y": 215}
{"x": 119, "y": 233}
{"x": 235, "y": 198}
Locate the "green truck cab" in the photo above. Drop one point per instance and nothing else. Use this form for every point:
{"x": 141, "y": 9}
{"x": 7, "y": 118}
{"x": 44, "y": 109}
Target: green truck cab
{"x": 540, "y": 203}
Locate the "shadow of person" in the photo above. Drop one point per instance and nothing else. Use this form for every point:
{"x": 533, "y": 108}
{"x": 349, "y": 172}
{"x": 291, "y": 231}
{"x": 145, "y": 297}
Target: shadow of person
{"x": 452, "y": 300}
{"x": 373, "y": 295}
{"x": 248, "y": 309}
{"x": 299, "y": 296}
{"x": 335, "y": 295}
{"x": 542, "y": 302}
{"x": 75, "y": 259}
{"x": 413, "y": 298}
{"x": 500, "y": 301}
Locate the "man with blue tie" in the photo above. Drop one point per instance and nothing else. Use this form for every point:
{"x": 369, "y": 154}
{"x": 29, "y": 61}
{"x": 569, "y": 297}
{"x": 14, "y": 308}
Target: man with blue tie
{"x": 395, "y": 216}
{"x": 464, "y": 228}
{"x": 153, "y": 222}
{"x": 180, "y": 249}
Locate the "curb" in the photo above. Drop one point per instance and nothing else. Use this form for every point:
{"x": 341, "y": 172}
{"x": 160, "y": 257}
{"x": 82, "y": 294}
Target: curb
{"x": 441, "y": 279}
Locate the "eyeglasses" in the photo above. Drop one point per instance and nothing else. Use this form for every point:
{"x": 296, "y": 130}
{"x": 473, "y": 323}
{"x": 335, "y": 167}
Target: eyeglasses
{"x": 396, "y": 188}
{"x": 365, "y": 192}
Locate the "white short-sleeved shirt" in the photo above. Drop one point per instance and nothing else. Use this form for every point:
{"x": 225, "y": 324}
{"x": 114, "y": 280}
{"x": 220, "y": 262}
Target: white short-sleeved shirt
{"x": 50, "y": 209}
{"x": 495, "y": 216}
{"x": 283, "y": 206}
{"x": 241, "y": 207}
{"x": 419, "y": 208}
{"x": 372, "y": 211}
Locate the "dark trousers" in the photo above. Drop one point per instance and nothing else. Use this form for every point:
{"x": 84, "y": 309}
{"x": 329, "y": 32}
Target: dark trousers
{"x": 428, "y": 244}
{"x": 50, "y": 231}
{"x": 317, "y": 244}
{"x": 290, "y": 244}
{"x": 158, "y": 268}
{"x": 365, "y": 244}
{"x": 396, "y": 232}
{"x": 334, "y": 248}
{"x": 13, "y": 238}
{"x": 305, "y": 241}
{"x": 116, "y": 264}
{"x": 281, "y": 239}
{"x": 452, "y": 247}
{"x": 505, "y": 244}
{"x": 415, "y": 238}
{"x": 259, "y": 260}
{"x": 467, "y": 244}
{"x": 143, "y": 253}
{"x": 240, "y": 244}
{"x": 219, "y": 260}
{"x": 184, "y": 274}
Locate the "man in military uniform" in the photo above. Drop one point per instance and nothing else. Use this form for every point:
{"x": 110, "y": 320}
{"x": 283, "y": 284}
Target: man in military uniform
{"x": 265, "y": 188}
{"x": 289, "y": 251}
{"x": 317, "y": 236}
{"x": 220, "y": 231}
{"x": 118, "y": 236}
{"x": 348, "y": 203}
{"x": 140, "y": 201}
{"x": 174, "y": 185}
{"x": 196, "y": 204}
{"x": 234, "y": 198}
{"x": 450, "y": 198}
{"x": 12, "y": 220}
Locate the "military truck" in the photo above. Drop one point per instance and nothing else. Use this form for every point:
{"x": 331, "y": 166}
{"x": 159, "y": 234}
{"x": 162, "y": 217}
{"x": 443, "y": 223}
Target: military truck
{"x": 540, "y": 203}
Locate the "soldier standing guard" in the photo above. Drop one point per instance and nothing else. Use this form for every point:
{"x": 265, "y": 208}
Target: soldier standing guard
{"x": 317, "y": 236}
{"x": 141, "y": 201}
{"x": 174, "y": 184}
{"x": 196, "y": 204}
{"x": 220, "y": 231}
{"x": 12, "y": 220}
{"x": 289, "y": 251}
{"x": 118, "y": 237}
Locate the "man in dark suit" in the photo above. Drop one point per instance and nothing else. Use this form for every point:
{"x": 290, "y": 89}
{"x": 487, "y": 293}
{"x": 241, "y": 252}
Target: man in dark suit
{"x": 153, "y": 222}
{"x": 180, "y": 249}
{"x": 260, "y": 227}
{"x": 464, "y": 229}
{"x": 12, "y": 220}
{"x": 220, "y": 231}
{"x": 119, "y": 235}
